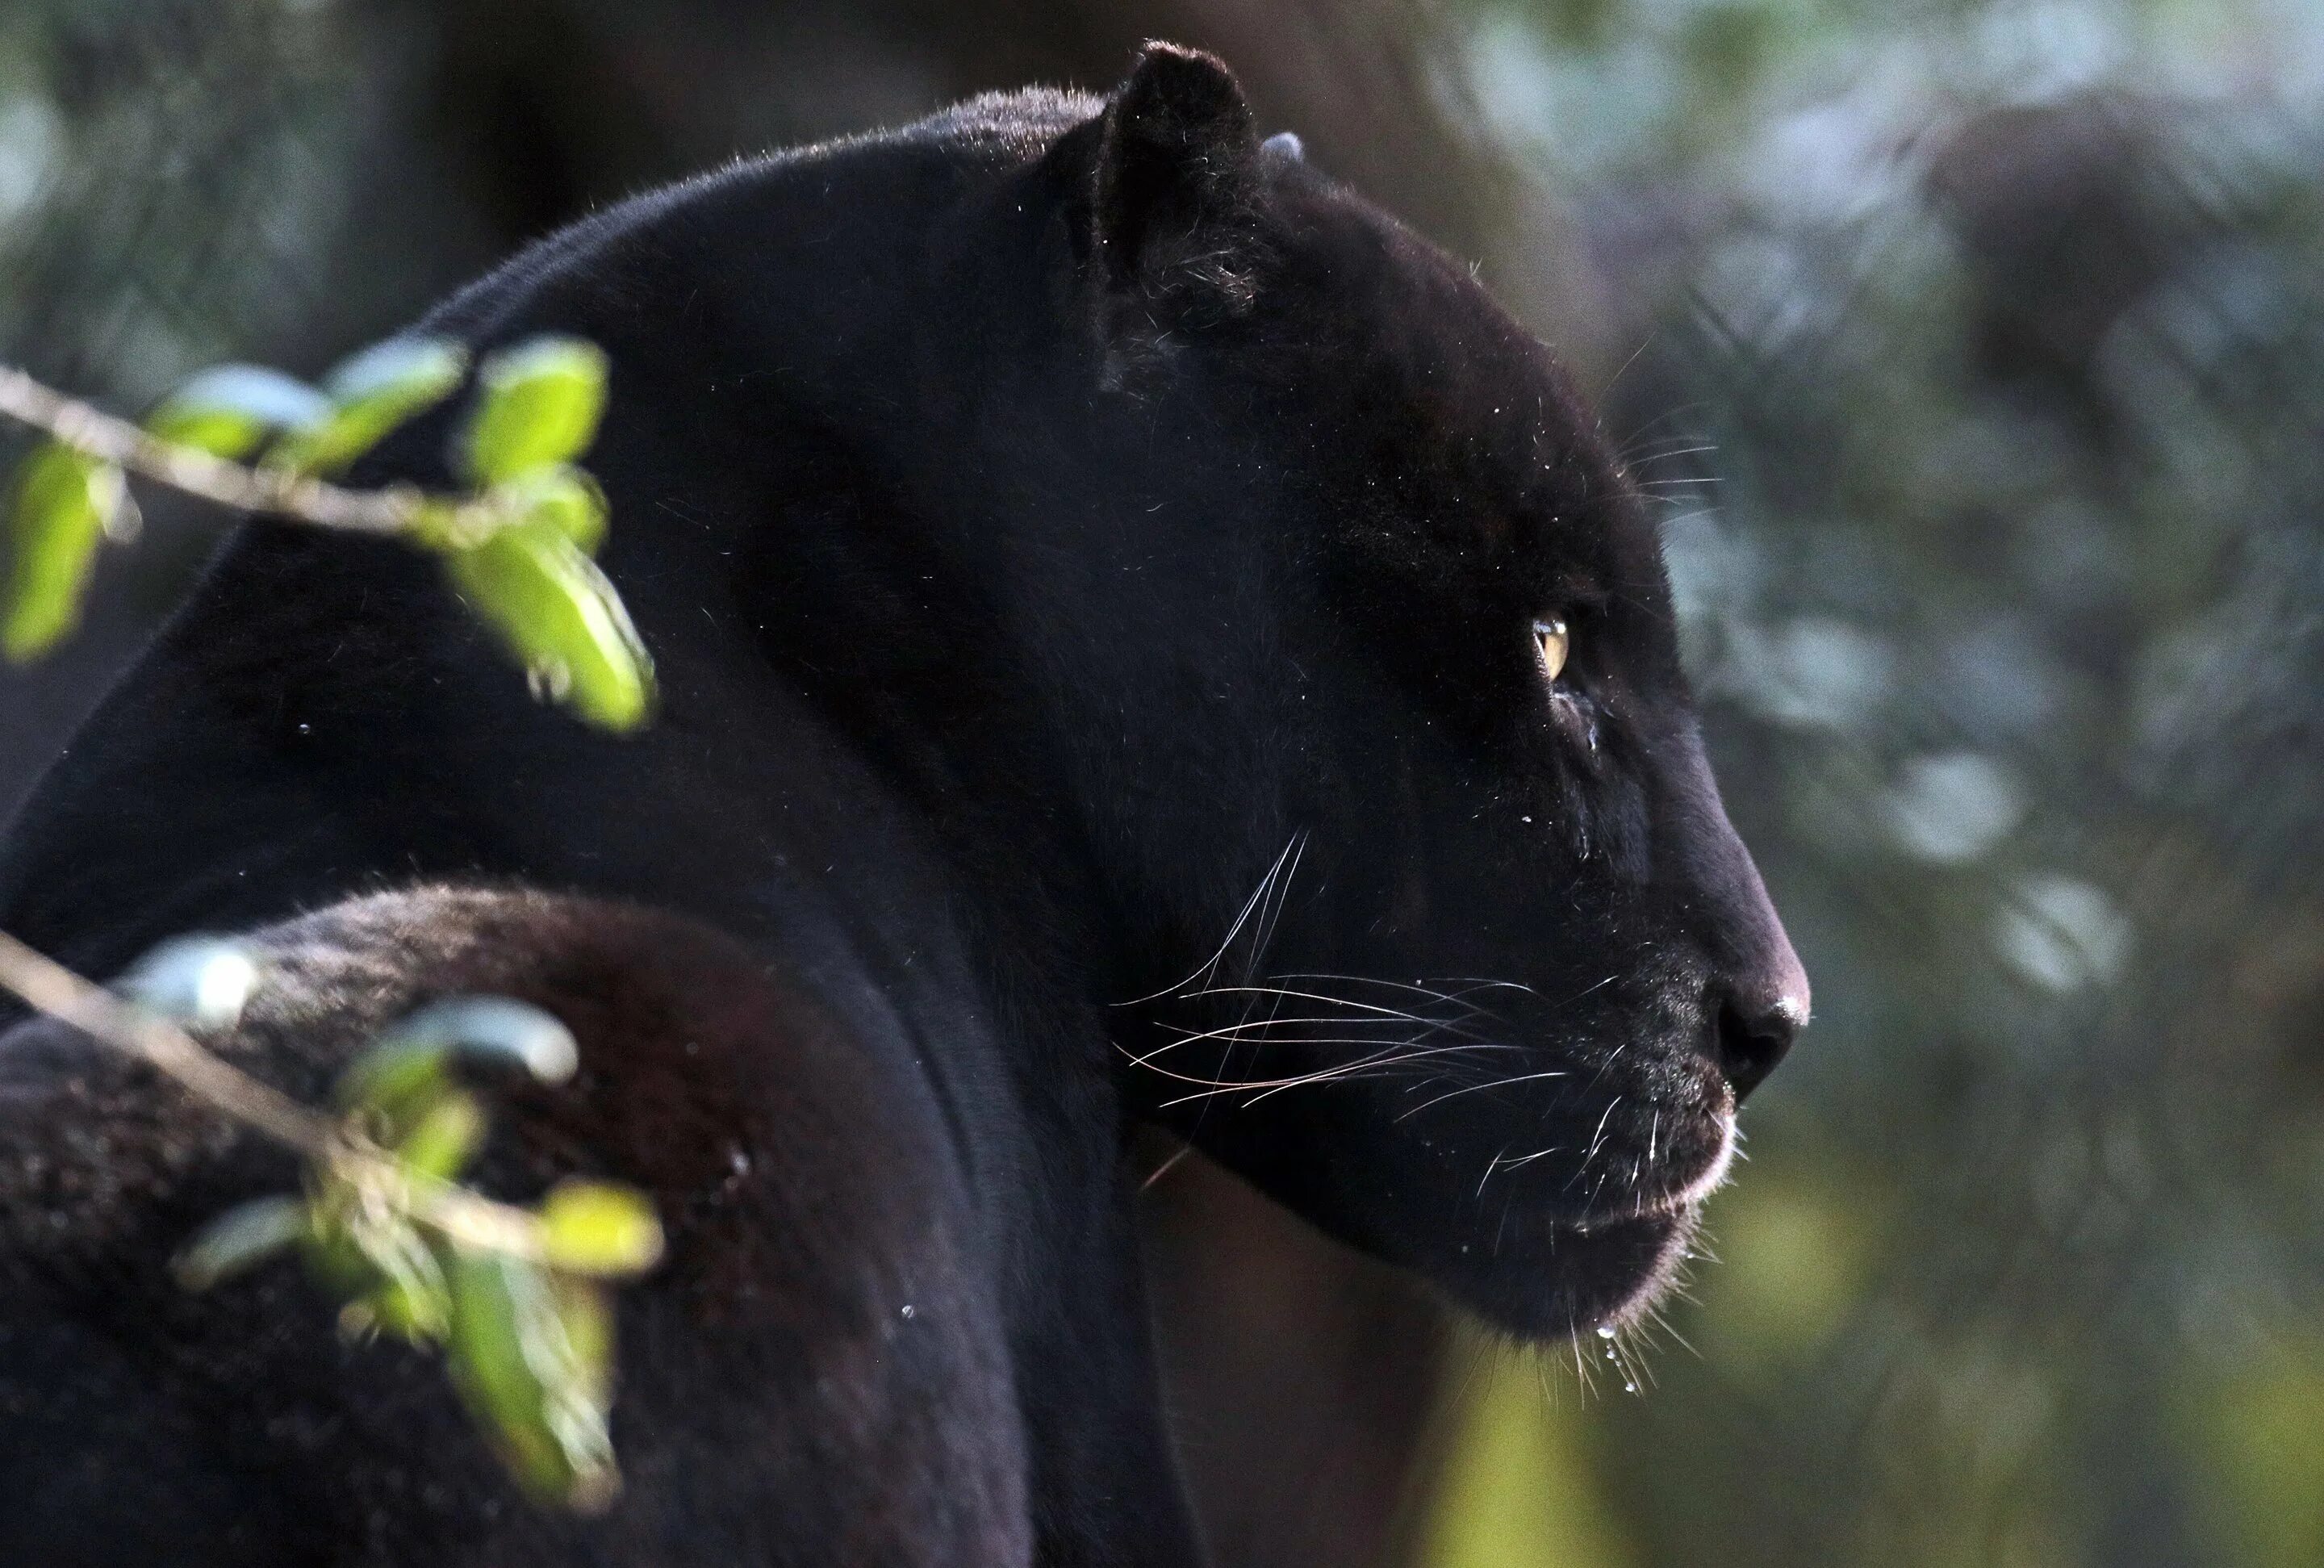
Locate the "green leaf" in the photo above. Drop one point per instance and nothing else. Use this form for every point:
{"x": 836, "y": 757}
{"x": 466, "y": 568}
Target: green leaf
{"x": 537, "y": 404}
{"x": 396, "y": 1080}
{"x": 402, "y": 372}
{"x": 585, "y": 1311}
{"x": 560, "y": 498}
{"x": 359, "y": 1247}
{"x": 240, "y": 1240}
{"x": 494, "y": 1030}
{"x": 563, "y": 621}
{"x": 370, "y": 395}
{"x": 228, "y": 410}
{"x": 411, "y": 1293}
{"x": 597, "y": 1229}
{"x": 415, "y": 1317}
{"x": 444, "y": 1138}
{"x": 65, "y": 501}
{"x": 333, "y": 1258}
{"x": 532, "y": 1362}
{"x": 406, "y": 1069}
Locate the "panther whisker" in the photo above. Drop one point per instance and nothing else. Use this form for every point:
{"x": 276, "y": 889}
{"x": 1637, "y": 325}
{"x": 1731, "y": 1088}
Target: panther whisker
{"x": 1268, "y": 922}
{"x": 1165, "y": 1167}
{"x": 1289, "y": 995}
{"x": 1597, "y": 1140}
{"x": 1145, "y": 1058}
{"x": 1498, "y": 1163}
{"x": 1663, "y": 1324}
{"x": 1262, "y": 1030}
{"x": 1297, "y": 850}
{"x": 1353, "y": 1069}
{"x": 1365, "y": 1018}
{"x": 1473, "y": 1088}
{"x": 1675, "y": 451}
{"x": 1607, "y": 1066}
{"x": 1210, "y": 1087}
{"x": 1456, "y": 998}
{"x": 1386, "y": 1053}
{"x": 1210, "y": 966}
{"x": 1588, "y": 991}
{"x": 1635, "y": 1374}
{"x": 1690, "y": 516}
{"x": 1490, "y": 1166}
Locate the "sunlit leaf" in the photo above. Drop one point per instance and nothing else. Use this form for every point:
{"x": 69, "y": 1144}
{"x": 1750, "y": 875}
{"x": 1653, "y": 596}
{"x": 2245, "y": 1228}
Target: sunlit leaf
{"x": 240, "y": 1240}
{"x": 332, "y": 1257}
{"x": 416, "y": 1311}
{"x": 562, "y": 498}
{"x": 597, "y": 1229}
{"x": 202, "y": 982}
{"x": 64, "y": 503}
{"x": 531, "y": 1362}
{"x": 444, "y": 1138}
{"x": 537, "y": 404}
{"x": 396, "y": 1080}
{"x": 562, "y": 619}
{"x": 369, "y": 395}
{"x": 359, "y": 1249}
{"x": 495, "y": 1031}
{"x": 586, "y": 1312}
{"x": 404, "y": 1071}
{"x": 409, "y": 1287}
{"x": 228, "y": 410}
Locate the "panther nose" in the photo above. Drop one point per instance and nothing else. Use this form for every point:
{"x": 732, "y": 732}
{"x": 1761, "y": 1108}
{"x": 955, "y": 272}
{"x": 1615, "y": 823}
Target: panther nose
{"x": 1757, "y": 1000}
{"x": 1759, "y": 1019}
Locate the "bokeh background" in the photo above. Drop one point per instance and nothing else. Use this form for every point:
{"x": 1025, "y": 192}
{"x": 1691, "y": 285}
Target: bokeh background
{"x": 1975, "y": 353}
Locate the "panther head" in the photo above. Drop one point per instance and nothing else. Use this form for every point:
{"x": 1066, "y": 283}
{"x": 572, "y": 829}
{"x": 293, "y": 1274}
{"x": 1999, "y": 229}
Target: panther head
{"x": 1438, "y": 929}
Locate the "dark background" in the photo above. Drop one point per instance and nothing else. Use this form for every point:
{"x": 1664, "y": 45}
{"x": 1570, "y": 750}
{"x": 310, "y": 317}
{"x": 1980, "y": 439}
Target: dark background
{"x": 1974, "y": 349}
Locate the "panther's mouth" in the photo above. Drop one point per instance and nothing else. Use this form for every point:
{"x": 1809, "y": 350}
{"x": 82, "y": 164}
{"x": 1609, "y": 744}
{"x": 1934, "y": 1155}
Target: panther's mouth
{"x": 1581, "y": 1277}
{"x": 1553, "y": 1273}
{"x": 1667, "y": 1190}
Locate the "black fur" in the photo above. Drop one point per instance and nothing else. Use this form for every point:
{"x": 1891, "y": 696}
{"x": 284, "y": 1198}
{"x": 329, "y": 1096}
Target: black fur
{"x": 1060, "y": 526}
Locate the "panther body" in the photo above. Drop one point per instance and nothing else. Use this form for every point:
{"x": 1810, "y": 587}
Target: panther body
{"x": 1143, "y": 638}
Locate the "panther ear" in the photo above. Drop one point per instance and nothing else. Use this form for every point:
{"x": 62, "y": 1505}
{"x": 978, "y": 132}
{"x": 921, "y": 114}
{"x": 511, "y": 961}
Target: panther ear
{"x": 1178, "y": 167}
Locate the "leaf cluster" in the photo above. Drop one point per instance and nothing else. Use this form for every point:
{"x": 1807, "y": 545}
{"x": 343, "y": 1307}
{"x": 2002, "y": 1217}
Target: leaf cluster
{"x": 518, "y": 1301}
{"x": 518, "y": 543}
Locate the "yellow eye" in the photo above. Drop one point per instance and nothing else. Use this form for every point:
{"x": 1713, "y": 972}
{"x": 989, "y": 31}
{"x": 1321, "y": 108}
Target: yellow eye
{"x": 1554, "y": 642}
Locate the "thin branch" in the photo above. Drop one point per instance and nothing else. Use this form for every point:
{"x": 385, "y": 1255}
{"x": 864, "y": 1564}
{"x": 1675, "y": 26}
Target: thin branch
{"x": 278, "y": 492}
{"x": 50, "y": 988}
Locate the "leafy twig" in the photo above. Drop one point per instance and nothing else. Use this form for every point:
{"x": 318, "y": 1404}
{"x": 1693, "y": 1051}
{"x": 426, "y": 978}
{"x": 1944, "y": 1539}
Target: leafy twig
{"x": 460, "y": 1214}
{"x": 278, "y": 492}
{"x": 517, "y": 1299}
{"x": 516, "y": 541}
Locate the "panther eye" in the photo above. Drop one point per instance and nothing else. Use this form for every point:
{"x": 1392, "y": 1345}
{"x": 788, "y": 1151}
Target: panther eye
{"x": 1554, "y": 642}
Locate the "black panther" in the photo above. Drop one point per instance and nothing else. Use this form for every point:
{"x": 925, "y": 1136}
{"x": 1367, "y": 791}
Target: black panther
{"x": 1144, "y": 640}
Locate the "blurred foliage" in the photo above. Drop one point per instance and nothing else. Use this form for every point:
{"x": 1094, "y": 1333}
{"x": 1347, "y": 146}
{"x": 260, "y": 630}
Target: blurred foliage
{"x": 1972, "y": 350}
{"x": 515, "y": 1300}
{"x": 517, "y": 546}
{"x": 1518, "y": 1485}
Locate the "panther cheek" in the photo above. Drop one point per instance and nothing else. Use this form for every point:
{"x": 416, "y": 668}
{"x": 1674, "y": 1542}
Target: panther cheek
{"x": 1576, "y": 719}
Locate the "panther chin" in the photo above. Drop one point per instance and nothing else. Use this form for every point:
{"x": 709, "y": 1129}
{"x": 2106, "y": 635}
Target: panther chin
{"x": 1547, "y": 1275}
